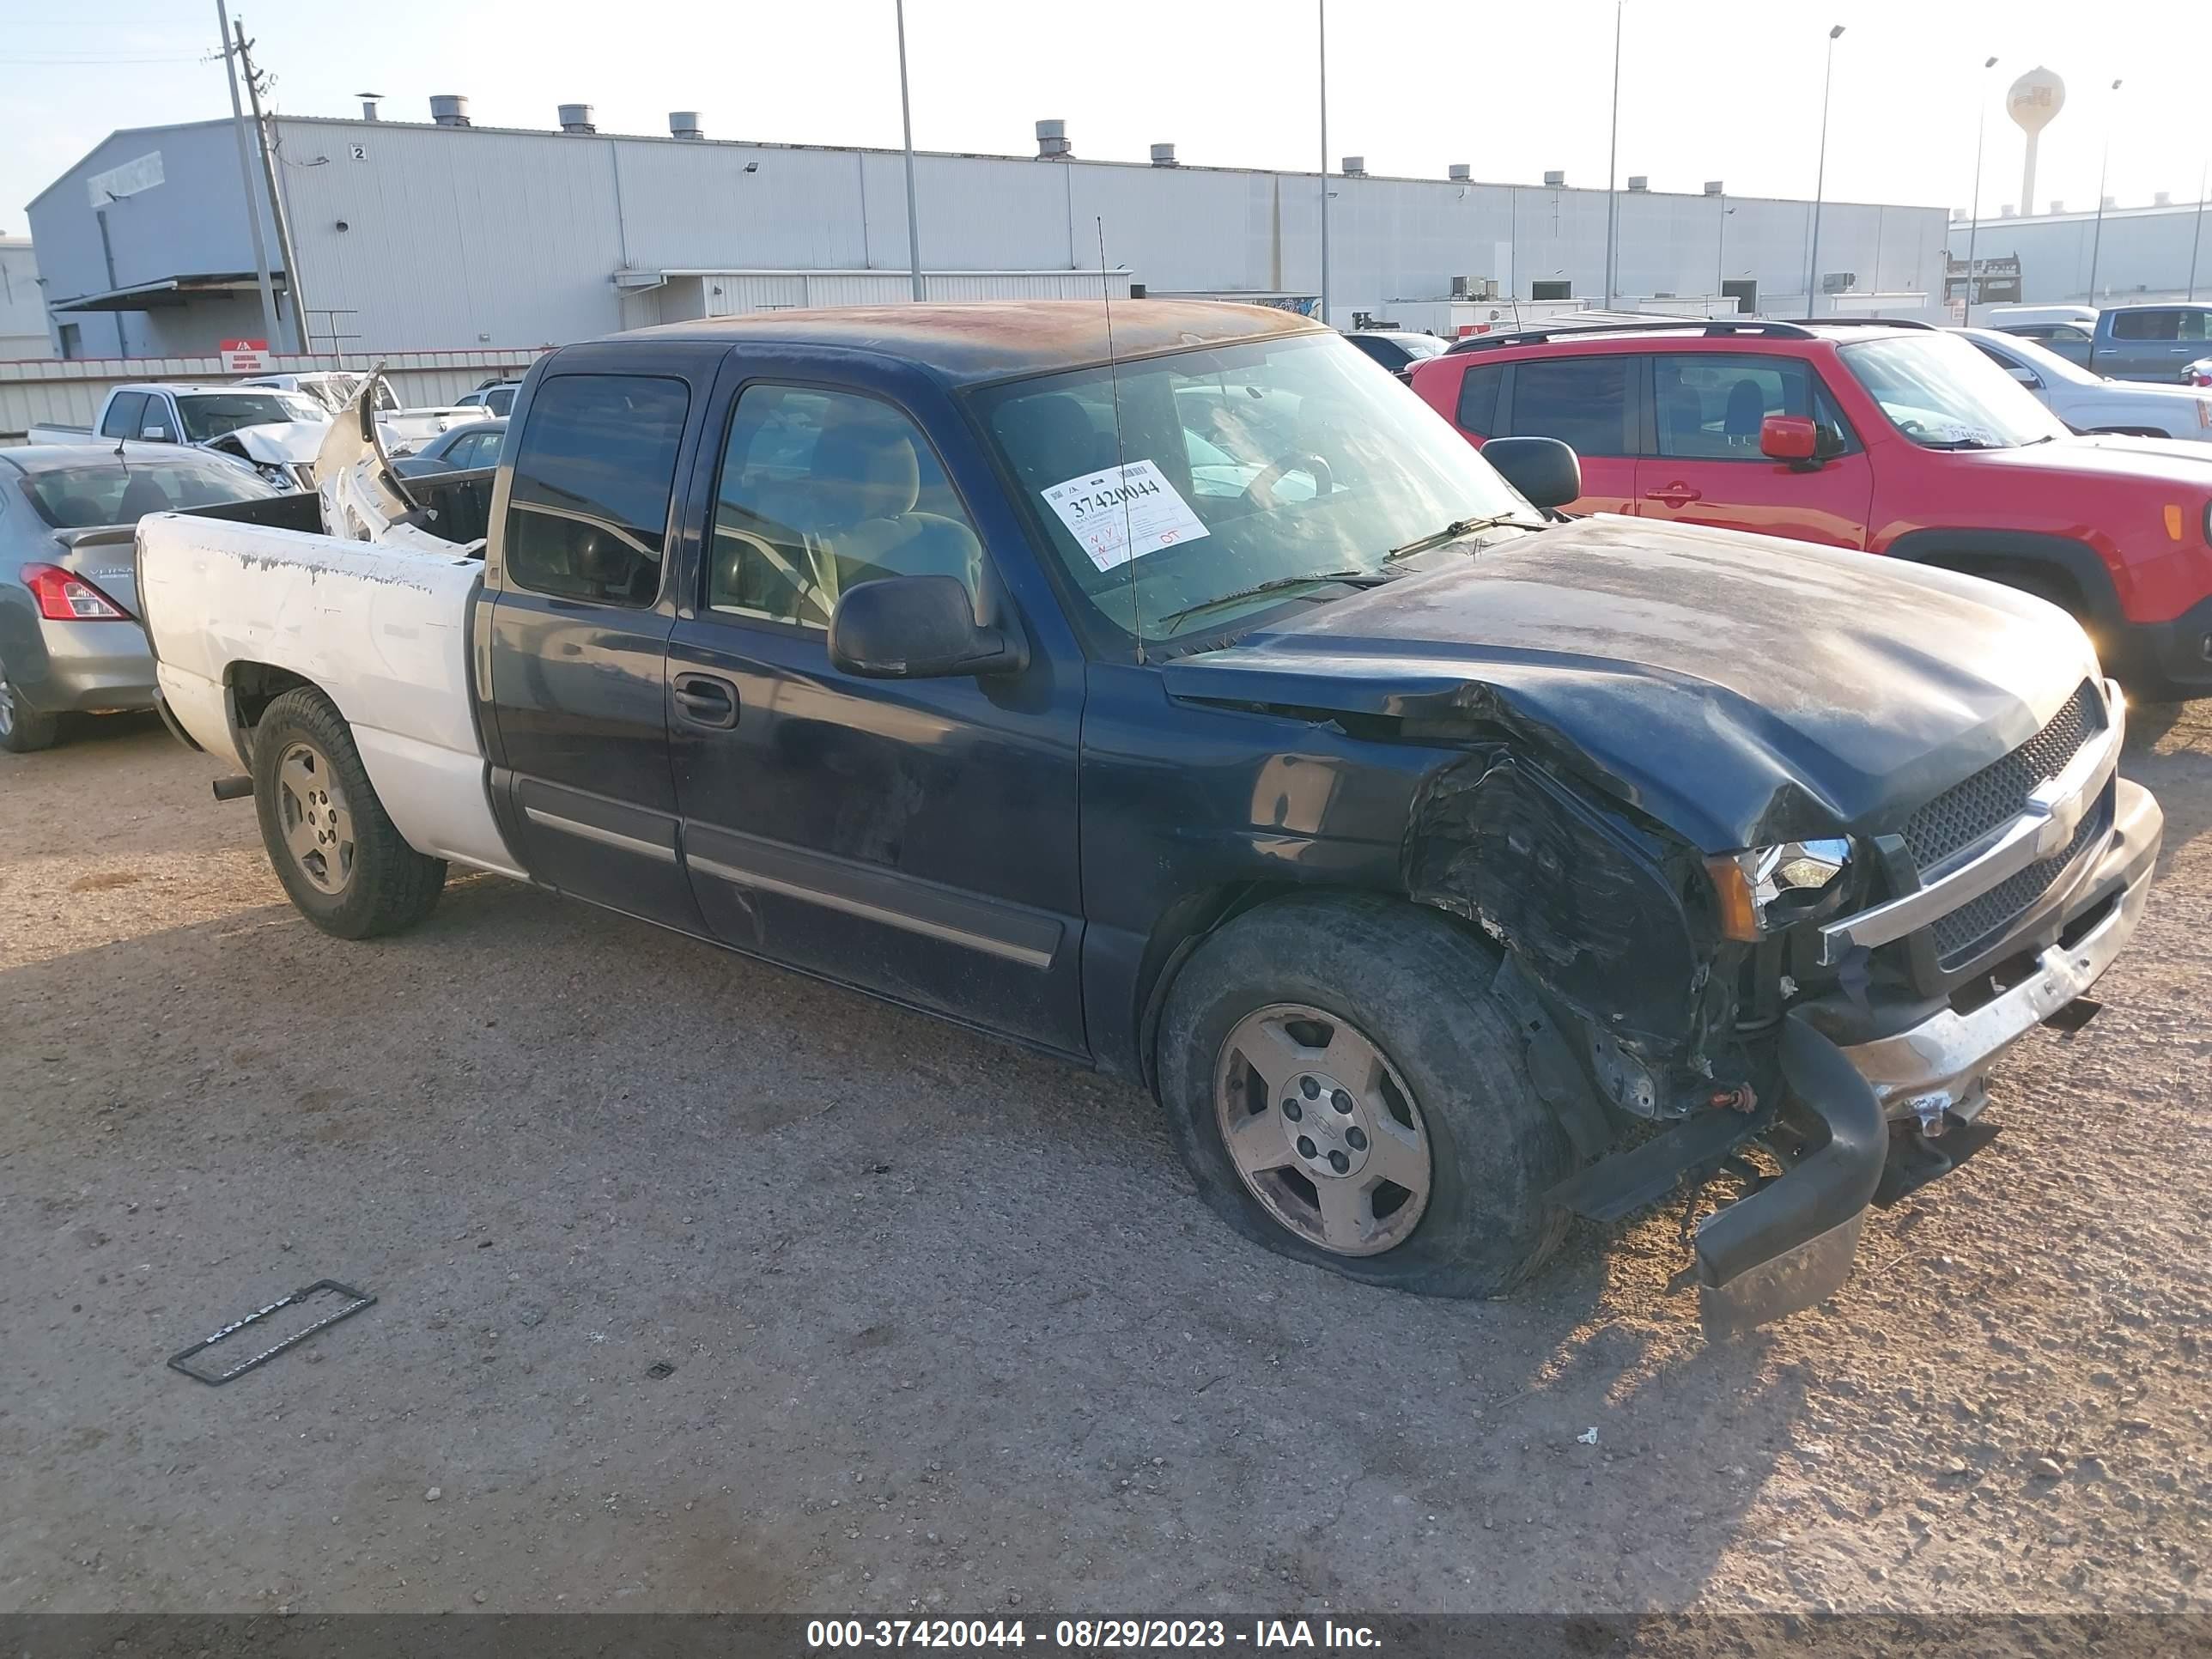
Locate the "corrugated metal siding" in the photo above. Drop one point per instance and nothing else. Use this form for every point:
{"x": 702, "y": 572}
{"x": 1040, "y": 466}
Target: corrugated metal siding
{"x": 2145, "y": 254}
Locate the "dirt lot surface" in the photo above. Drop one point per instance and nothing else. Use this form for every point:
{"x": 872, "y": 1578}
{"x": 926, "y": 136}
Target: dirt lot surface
{"x": 949, "y": 1327}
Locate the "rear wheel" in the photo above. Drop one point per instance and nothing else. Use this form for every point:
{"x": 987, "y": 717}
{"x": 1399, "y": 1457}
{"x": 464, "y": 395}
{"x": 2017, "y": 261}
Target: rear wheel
{"x": 1346, "y": 1091}
{"x": 23, "y": 728}
{"x": 344, "y": 866}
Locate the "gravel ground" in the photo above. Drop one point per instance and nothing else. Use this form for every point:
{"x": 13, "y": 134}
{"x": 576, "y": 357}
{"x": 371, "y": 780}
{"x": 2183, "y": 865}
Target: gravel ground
{"x": 950, "y": 1328}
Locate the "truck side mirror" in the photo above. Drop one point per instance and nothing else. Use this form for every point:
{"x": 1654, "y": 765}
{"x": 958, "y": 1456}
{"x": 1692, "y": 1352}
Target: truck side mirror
{"x": 917, "y": 628}
{"x": 154, "y": 434}
{"x": 2027, "y": 376}
{"x": 1547, "y": 472}
{"x": 1792, "y": 438}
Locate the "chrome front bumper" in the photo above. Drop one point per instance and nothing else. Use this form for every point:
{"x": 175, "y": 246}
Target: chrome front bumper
{"x": 1939, "y": 1065}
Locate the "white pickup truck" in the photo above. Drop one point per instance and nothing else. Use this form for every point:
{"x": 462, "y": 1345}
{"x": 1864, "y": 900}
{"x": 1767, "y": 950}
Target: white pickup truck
{"x": 275, "y": 431}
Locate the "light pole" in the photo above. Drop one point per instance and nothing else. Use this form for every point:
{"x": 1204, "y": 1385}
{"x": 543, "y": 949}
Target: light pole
{"x": 2196, "y": 239}
{"x": 1974, "y": 213}
{"x": 1322, "y": 6}
{"x": 246, "y": 176}
{"x": 2096, "y": 237}
{"x": 1612, "y": 167}
{"x": 1820, "y": 178}
{"x": 906, "y": 116}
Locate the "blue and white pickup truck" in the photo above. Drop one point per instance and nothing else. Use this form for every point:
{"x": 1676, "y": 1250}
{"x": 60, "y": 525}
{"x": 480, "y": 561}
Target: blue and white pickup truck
{"x": 1174, "y": 692}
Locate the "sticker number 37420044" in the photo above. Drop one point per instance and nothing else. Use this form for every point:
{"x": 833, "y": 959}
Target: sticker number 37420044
{"x": 1123, "y": 513}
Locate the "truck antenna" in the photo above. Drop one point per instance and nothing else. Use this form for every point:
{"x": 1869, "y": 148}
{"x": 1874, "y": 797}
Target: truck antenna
{"x": 1121, "y": 454}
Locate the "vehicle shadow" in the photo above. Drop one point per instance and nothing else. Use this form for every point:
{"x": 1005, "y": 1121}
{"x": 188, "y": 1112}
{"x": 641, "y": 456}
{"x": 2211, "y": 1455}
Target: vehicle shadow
{"x": 869, "y": 1241}
{"x": 2169, "y": 752}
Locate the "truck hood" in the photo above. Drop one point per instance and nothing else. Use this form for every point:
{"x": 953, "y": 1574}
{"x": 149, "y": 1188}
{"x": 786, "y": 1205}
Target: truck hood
{"x": 276, "y": 442}
{"x": 1738, "y": 688}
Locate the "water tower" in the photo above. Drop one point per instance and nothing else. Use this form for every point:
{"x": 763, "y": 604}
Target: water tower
{"x": 2033, "y": 103}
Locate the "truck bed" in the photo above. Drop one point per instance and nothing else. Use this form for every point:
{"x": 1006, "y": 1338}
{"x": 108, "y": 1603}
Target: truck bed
{"x": 380, "y": 628}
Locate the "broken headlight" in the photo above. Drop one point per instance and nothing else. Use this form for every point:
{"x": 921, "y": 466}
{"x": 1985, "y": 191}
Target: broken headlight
{"x": 1768, "y": 889}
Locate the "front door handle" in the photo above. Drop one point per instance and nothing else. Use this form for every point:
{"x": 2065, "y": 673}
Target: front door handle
{"x": 706, "y": 700}
{"x": 1675, "y": 494}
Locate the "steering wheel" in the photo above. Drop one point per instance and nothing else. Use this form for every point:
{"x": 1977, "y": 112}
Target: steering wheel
{"x": 1261, "y": 492}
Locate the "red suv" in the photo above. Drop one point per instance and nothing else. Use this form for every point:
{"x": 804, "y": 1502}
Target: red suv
{"x": 1893, "y": 437}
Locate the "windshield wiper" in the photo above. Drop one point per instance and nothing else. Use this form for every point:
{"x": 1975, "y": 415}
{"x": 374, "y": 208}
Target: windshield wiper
{"x": 1275, "y": 584}
{"x": 1457, "y": 528}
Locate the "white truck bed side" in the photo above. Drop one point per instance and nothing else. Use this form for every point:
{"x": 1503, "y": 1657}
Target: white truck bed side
{"x": 381, "y": 630}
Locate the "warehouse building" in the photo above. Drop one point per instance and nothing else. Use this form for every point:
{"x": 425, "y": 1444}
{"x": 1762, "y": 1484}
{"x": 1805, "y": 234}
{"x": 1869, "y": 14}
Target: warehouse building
{"x": 22, "y": 305}
{"x": 442, "y": 235}
{"x": 2162, "y": 251}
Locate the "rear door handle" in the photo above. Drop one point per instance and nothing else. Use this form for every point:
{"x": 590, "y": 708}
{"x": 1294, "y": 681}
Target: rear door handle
{"x": 1675, "y": 494}
{"x": 706, "y": 700}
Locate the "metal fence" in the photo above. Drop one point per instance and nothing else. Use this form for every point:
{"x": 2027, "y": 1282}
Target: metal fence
{"x": 69, "y": 391}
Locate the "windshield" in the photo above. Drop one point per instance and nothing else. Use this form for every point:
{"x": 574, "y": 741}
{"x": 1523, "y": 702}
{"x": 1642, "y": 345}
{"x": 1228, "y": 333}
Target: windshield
{"x": 109, "y": 491}
{"x": 211, "y": 415}
{"x": 1420, "y": 345}
{"x": 1941, "y": 393}
{"x": 1242, "y": 466}
{"x": 2042, "y": 359}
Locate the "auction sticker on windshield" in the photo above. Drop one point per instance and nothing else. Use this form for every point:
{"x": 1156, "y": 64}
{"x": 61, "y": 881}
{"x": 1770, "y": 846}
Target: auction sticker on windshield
{"x": 1123, "y": 513}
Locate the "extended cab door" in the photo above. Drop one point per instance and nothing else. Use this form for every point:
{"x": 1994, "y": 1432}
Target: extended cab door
{"x": 1707, "y": 408}
{"x": 913, "y": 837}
{"x": 573, "y": 639}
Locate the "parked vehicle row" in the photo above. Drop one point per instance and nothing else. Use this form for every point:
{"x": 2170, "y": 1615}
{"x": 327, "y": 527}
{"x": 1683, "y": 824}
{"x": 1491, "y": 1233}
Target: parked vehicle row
{"x": 1891, "y": 438}
{"x": 2165, "y": 344}
{"x": 1205, "y": 711}
{"x": 2095, "y": 404}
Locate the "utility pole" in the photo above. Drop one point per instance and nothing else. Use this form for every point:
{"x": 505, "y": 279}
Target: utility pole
{"x": 2197, "y": 241}
{"x": 246, "y": 181}
{"x": 1612, "y": 167}
{"x": 906, "y": 115}
{"x": 292, "y": 286}
{"x": 1974, "y": 213}
{"x": 2097, "y": 238}
{"x": 1820, "y": 179}
{"x": 1322, "y": 6}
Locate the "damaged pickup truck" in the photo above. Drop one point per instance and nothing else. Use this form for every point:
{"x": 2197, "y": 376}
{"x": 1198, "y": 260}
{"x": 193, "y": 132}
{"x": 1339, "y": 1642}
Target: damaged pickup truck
{"x": 1176, "y": 694}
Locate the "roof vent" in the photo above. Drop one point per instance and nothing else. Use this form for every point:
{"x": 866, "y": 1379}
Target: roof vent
{"x": 1355, "y": 167}
{"x": 1052, "y": 142}
{"x": 2162, "y": 199}
{"x": 684, "y": 124}
{"x": 1460, "y": 172}
{"x": 450, "y": 109}
{"x": 2009, "y": 211}
{"x": 2057, "y": 206}
{"x": 2112, "y": 201}
{"x": 1957, "y": 215}
{"x": 576, "y": 118}
{"x": 1638, "y": 181}
{"x": 1163, "y": 156}
{"x": 368, "y": 101}
{"x": 1556, "y": 178}
{"x": 1716, "y": 187}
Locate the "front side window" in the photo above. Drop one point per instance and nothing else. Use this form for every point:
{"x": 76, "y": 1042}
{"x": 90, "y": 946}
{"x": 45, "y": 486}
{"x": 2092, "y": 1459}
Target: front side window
{"x": 215, "y": 415}
{"x": 1582, "y": 401}
{"x": 587, "y": 513}
{"x": 1940, "y": 393}
{"x": 820, "y": 490}
{"x": 1711, "y": 406}
{"x": 1186, "y": 494}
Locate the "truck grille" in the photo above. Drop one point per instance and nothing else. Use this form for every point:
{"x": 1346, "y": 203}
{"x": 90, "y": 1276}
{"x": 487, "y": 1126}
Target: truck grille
{"x": 1971, "y": 923}
{"x": 1995, "y": 795}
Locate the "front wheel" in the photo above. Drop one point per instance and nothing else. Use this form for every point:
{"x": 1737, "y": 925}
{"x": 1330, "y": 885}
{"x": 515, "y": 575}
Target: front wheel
{"x": 1346, "y": 1091}
{"x": 344, "y": 866}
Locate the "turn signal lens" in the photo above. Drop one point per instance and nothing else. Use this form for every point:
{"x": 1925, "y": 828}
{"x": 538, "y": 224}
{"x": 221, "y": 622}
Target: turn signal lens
{"x": 64, "y": 596}
{"x": 2174, "y": 521}
{"x": 1766, "y": 890}
{"x": 1732, "y": 887}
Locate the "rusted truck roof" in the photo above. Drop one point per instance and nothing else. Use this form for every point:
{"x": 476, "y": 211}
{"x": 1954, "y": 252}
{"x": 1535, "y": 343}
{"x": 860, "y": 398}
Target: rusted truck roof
{"x": 997, "y": 339}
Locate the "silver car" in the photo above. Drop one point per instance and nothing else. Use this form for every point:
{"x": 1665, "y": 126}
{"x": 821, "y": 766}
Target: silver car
{"x": 70, "y": 638}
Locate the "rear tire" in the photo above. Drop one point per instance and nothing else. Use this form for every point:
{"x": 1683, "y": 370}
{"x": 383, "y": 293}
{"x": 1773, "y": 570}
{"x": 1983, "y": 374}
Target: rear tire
{"x": 23, "y": 730}
{"x": 343, "y": 865}
{"x": 1255, "y": 1030}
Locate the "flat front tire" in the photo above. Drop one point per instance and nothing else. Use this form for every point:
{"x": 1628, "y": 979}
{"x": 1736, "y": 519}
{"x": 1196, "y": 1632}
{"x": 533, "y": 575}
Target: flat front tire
{"x": 343, "y": 865}
{"x": 1346, "y": 1091}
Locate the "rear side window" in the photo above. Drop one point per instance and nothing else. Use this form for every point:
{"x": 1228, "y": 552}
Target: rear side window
{"x": 587, "y": 513}
{"x": 125, "y": 413}
{"x": 1582, "y": 401}
{"x": 2146, "y": 326}
{"x": 1478, "y": 398}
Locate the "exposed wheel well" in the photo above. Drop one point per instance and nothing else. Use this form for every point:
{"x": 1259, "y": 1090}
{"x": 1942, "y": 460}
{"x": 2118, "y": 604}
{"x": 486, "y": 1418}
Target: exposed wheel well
{"x": 250, "y": 688}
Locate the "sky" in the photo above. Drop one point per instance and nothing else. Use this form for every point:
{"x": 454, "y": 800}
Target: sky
{"x": 1708, "y": 91}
